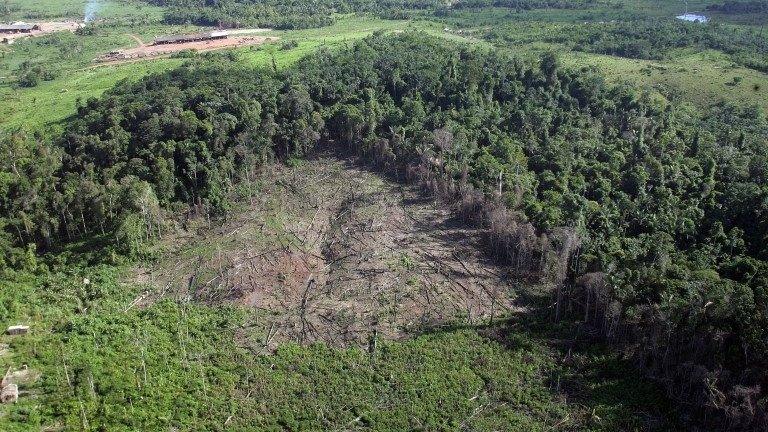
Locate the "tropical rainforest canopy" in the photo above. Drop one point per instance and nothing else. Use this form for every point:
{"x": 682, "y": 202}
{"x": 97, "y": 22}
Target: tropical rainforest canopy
{"x": 651, "y": 218}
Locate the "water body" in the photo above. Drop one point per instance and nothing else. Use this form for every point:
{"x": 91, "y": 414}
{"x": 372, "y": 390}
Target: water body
{"x": 693, "y": 18}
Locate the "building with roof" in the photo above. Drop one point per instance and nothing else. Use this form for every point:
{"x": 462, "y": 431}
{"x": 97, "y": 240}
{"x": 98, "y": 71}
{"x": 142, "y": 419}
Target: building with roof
{"x": 18, "y": 28}
{"x": 192, "y": 37}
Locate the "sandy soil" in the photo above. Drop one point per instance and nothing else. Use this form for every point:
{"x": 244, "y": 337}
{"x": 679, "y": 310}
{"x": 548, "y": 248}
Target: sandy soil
{"x": 331, "y": 252}
{"x": 150, "y": 51}
{"x": 45, "y": 28}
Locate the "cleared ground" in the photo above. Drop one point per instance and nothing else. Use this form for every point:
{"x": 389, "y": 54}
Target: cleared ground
{"x": 46, "y": 28}
{"x": 144, "y": 51}
{"x": 331, "y": 252}
{"x": 115, "y": 355}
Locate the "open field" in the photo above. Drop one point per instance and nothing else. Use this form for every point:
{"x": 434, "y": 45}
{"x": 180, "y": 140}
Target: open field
{"x": 75, "y": 10}
{"x": 699, "y": 78}
{"x": 70, "y": 58}
{"x": 159, "y": 50}
{"x": 609, "y": 11}
{"x": 44, "y": 106}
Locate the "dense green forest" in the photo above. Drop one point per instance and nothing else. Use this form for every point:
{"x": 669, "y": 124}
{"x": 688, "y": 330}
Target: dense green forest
{"x": 306, "y": 14}
{"x": 534, "y": 4}
{"x": 736, "y": 7}
{"x": 281, "y": 14}
{"x": 655, "y": 39}
{"x": 651, "y": 219}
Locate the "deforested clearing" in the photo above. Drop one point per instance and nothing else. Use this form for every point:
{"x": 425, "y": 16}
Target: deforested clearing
{"x": 330, "y": 251}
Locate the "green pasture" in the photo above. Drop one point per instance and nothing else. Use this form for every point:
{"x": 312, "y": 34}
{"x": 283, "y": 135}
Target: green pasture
{"x": 74, "y": 9}
{"x": 44, "y": 106}
{"x": 699, "y": 78}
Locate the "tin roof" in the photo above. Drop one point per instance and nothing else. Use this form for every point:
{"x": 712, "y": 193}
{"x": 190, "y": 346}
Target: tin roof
{"x": 192, "y": 36}
{"x": 7, "y": 27}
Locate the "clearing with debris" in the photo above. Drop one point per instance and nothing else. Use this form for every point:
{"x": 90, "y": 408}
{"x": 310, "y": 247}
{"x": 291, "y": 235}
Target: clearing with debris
{"x": 329, "y": 251}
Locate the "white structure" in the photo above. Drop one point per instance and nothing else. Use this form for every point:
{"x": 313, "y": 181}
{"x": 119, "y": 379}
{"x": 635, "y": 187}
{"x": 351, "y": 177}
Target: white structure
{"x": 693, "y": 17}
{"x": 17, "y": 330}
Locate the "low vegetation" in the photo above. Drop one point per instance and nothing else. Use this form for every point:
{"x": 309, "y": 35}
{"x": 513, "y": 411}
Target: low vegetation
{"x": 503, "y": 220}
{"x": 740, "y": 7}
{"x": 104, "y": 365}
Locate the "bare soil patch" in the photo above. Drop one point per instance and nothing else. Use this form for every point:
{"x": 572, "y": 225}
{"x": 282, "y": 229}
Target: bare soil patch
{"x": 145, "y": 51}
{"x": 328, "y": 251}
{"x": 45, "y": 28}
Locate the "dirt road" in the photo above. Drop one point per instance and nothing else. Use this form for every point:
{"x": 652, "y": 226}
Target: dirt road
{"x": 145, "y": 51}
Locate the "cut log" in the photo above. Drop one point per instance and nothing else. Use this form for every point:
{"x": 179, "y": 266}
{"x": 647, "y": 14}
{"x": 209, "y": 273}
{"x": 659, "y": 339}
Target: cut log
{"x": 17, "y": 330}
{"x": 9, "y": 394}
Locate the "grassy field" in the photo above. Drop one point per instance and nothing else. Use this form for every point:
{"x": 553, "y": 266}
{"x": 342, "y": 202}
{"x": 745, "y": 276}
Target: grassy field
{"x": 607, "y": 11}
{"x": 75, "y": 76}
{"x": 699, "y": 78}
{"x": 45, "y": 106}
{"x": 75, "y": 9}
{"x": 346, "y": 29}
{"x": 70, "y": 57}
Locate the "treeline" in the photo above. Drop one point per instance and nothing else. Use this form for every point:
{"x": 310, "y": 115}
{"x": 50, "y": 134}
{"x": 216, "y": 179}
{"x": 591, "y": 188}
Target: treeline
{"x": 655, "y": 40}
{"x": 740, "y": 7}
{"x": 532, "y": 4}
{"x": 295, "y": 14}
{"x": 179, "y": 146}
{"x": 651, "y": 222}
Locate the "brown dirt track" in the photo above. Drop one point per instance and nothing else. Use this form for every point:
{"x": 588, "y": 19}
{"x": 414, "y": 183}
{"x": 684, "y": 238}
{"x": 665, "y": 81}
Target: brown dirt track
{"x": 156, "y": 50}
{"x": 148, "y": 51}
